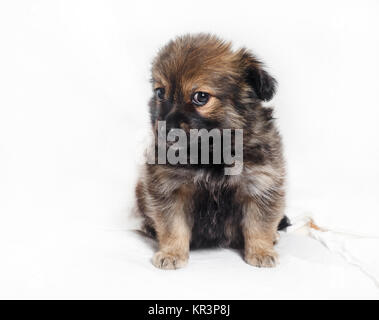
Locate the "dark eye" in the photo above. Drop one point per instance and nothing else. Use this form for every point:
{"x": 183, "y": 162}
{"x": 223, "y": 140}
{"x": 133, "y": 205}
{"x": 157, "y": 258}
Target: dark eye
{"x": 200, "y": 98}
{"x": 159, "y": 92}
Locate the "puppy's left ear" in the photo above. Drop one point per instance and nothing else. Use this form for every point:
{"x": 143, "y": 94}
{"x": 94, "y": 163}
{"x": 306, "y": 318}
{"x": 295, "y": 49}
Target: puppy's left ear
{"x": 263, "y": 84}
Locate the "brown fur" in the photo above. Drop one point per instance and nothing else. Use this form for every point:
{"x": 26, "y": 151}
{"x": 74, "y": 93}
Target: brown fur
{"x": 247, "y": 207}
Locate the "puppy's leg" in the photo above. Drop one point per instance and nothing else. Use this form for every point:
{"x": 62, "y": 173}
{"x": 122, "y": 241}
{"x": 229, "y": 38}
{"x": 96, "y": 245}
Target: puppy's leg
{"x": 259, "y": 227}
{"x": 173, "y": 232}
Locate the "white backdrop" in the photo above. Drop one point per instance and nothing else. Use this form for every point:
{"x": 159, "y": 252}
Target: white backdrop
{"x": 74, "y": 87}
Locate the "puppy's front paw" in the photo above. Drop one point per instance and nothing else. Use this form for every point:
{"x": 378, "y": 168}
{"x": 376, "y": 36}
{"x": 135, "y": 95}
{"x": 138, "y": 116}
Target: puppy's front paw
{"x": 265, "y": 260}
{"x": 165, "y": 260}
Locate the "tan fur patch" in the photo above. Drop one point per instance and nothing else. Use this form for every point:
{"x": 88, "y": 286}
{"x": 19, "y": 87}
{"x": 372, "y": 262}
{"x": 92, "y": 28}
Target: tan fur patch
{"x": 210, "y": 109}
{"x": 260, "y": 236}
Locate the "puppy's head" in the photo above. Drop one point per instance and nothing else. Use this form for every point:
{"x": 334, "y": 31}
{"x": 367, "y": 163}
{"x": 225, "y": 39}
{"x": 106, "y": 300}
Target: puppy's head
{"x": 200, "y": 82}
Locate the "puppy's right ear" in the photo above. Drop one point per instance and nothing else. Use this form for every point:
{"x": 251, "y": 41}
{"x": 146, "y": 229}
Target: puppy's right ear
{"x": 263, "y": 84}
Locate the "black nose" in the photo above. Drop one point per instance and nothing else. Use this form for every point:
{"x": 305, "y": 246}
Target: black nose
{"x": 174, "y": 120}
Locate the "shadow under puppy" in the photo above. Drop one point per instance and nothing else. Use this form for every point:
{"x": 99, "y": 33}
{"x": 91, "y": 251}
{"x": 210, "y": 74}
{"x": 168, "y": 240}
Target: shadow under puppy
{"x": 199, "y": 82}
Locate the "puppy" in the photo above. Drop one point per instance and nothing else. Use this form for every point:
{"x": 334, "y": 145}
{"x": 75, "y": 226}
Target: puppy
{"x": 199, "y": 82}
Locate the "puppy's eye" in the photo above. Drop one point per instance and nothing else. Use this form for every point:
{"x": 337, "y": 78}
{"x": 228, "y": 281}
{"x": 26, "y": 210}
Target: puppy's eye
{"x": 200, "y": 98}
{"x": 159, "y": 92}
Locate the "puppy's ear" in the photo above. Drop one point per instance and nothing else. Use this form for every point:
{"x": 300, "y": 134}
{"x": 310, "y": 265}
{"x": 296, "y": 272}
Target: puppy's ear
{"x": 263, "y": 84}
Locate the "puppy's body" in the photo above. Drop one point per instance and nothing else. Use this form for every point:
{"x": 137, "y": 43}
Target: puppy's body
{"x": 198, "y": 205}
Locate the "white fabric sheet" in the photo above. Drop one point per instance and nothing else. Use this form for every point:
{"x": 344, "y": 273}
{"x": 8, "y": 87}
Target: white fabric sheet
{"x": 115, "y": 264}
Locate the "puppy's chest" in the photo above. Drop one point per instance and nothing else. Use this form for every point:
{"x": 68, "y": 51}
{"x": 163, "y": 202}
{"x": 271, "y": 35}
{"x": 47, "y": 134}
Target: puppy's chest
{"x": 217, "y": 215}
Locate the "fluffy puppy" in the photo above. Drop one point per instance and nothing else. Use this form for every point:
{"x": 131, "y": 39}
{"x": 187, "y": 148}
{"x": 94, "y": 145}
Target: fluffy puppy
{"x": 199, "y": 82}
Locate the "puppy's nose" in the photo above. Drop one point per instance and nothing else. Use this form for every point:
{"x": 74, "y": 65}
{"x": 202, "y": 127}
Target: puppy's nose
{"x": 175, "y": 120}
